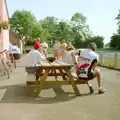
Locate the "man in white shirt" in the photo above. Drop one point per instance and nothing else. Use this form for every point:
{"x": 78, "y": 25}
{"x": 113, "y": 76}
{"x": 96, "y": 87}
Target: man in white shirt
{"x": 34, "y": 58}
{"x": 86, "y": 67}
{"x": 56, "y": 48}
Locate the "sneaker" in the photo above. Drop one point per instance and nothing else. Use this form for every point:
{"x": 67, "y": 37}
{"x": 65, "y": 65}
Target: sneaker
{"x": 91, "y": 89}
{"x": 101, "y": 91}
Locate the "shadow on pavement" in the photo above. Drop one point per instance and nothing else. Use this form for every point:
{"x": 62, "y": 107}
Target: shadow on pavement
{"x": 23, "y": 94}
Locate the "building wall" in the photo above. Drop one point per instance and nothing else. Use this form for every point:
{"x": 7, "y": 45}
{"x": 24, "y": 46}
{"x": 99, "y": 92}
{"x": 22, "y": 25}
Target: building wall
{"x": 4, "y": 35}
{"x": 15, "y": 40}
{"x": 1, "y": 46}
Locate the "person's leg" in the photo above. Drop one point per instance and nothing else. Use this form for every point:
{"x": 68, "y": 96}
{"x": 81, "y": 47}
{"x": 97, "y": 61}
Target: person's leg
{"x": 38, "y": 74}
{"x": 57, "y": 54}
{"x": 63, "y": 56}
{"x": 99, "y": 80}
{"x": 90, "y": 87}
{"x": 96, "y": 74}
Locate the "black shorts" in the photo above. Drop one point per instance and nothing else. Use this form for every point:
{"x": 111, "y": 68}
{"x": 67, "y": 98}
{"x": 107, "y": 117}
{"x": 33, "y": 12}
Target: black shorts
{"x": 91, "y": 76}
{"x": 32, "y": 69}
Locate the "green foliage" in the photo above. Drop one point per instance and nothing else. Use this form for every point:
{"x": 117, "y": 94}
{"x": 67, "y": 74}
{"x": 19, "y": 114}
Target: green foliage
{"x": 22, "y": 23}
{"x": 118, "y": 23}
{"x": 80, "y": 30}
{"x": 115, "y": 41}
{"x": 98, "y": 40}
{"x": 76, "y": 30}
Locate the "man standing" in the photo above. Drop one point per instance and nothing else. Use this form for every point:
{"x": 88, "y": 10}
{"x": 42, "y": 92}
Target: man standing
{"x": 56, "y": 48}
{"x": 45, "y": 46}
{"x": 63, "y": 46}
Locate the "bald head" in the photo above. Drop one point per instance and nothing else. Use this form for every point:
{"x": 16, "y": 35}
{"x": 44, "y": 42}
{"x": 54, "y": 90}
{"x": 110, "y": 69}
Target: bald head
{"x": 92, "y": 46}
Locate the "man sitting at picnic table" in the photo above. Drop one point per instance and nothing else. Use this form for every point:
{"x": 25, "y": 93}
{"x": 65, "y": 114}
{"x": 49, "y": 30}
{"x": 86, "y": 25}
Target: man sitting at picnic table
{"x": 86, "y": 66}
{"x": 34, "y": 58}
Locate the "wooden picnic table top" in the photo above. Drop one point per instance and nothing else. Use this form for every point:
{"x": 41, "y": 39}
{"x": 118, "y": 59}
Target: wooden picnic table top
{"x": 55, "y": 64}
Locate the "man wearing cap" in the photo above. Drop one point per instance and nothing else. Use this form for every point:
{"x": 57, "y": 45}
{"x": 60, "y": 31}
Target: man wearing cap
{"x": 34, "y": 58}
{"x": 86, "y": 66}
{"x": 36, "y": 55}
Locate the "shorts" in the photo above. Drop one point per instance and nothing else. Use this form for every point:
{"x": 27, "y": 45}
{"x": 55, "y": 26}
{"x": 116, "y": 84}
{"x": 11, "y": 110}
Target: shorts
{"x": 32, "y": 69}
{"x": 91, "y": 75}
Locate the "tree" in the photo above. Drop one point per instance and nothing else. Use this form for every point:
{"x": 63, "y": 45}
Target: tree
{"x": 118, "y": 23}
{"x": 22, "y": 23}
{"x": 39, "y": 32}
{"x": 98, "y": 40}
{"x": 115, "y": 41}
{"x": 25, "y": 24}
{"x": 63, "y": 31}
{"x": 80, "y": 30}
{"x": 50, "y": 23}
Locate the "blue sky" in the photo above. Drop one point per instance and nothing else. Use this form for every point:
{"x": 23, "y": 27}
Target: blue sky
{"x": 100, "y": 13}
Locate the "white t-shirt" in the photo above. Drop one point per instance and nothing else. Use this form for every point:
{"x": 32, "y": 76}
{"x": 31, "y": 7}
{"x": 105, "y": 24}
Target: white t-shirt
{"x": 56, "y": 46}
{"x": 69, "y": 60}
{"x": 34, "y": 57}
{"x": 68, "y": 57}
{"x": 86, "y": 58}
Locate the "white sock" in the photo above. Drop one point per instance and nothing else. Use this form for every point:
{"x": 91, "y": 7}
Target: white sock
{"x": 100, "y": 88}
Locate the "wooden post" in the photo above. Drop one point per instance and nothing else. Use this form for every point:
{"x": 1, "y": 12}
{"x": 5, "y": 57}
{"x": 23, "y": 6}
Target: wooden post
{"x": 115, "y": 60}
{"x": 101, "y": 58}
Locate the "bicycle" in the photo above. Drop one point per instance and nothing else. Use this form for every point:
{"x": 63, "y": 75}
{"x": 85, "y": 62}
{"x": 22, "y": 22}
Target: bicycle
{"x": 3, "y": 67}
{"x": 10, "y": 60}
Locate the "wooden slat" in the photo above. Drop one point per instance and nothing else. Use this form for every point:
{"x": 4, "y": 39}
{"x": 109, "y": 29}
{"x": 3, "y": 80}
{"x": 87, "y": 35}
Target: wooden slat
{"x": 65, "y": 82}
{"x": 72, "y": 82}
{"x": 64, "y": 64}
{"x": 45, "y": 64}
{"x": 74, "y": 75}
{"x": 55, "y": 64}
{"x": 63, "y": 74}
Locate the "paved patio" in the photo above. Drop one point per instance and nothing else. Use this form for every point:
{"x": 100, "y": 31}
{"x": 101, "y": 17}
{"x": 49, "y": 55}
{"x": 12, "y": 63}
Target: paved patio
{"x": 59, "y": 102}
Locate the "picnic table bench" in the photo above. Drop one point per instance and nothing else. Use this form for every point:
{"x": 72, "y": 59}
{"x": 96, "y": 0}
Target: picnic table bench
{"x": 56, "y": 69}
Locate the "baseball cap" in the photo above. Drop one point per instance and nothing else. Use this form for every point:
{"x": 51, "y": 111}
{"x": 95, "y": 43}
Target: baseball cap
{"x": 37, "y": 45}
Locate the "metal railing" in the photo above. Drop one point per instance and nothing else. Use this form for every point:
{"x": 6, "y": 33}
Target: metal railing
{"x": 111, "y": 60}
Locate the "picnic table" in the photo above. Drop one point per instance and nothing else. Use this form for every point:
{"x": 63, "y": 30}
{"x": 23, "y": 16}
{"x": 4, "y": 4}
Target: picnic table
{"x": 56, "y": 69}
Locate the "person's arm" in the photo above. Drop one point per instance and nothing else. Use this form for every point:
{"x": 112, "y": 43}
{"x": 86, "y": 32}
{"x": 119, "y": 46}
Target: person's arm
{"x": 40, "y": 58}
{"x": 74, "y": 60}
{"x": 72, "y": 47}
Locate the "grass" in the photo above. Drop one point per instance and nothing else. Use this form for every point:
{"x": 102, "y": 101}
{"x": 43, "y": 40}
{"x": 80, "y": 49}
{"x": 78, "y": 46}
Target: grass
{"x": 109, "y": 62}
{"x": 111, "y": 49}
{"x": 50, "y": 50}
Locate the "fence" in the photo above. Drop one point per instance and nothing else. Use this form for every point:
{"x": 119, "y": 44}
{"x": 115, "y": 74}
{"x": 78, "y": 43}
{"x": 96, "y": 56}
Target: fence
{"x": 110, "y": 60}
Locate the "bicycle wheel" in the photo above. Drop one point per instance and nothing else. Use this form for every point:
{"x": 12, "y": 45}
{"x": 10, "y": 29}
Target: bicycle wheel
{"x": 12, "y": 58}
{"x": 5, "y": 68}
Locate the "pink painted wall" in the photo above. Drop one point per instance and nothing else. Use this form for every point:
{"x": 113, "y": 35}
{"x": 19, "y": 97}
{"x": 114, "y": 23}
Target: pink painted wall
{"x": 1, "y": 46}
{"x": 4, "y": 36}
